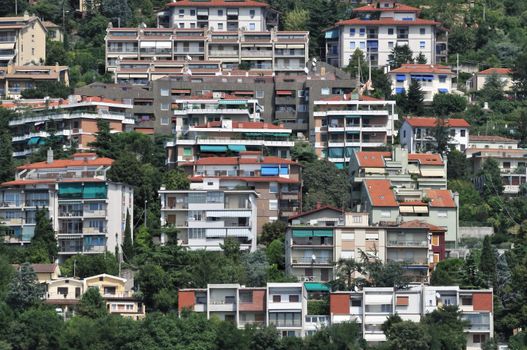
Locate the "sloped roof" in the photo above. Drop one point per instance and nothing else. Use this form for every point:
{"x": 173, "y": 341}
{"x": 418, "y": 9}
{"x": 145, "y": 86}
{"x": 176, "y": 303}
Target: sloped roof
{"x": 277, "y": 179}
{"x": 316, "y": 210}
{"x": 441, "y": 199}
{"x": 498, "y": 71}
{"x": 422, "y": 68}
{"x": 397, "y": 8}
{"x": 491, "y": 138}
{"x": 420, "y": 224}
{"x": 240, "y": 160}
{"x": 64, "y": 163}
{"x": 427, "y": 122}
{"x": 426, "y": 158}
{"x": 372, "y": 159}
{"x": 217, "y": 3}
{"x": 242, "y": 125}
{"x": 387, "y": 21}
{"x": 380, "y": 193}
{"x": 347, "y": 97}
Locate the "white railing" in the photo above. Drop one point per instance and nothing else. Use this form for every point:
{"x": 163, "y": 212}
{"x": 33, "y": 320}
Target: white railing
{"x": 224, "y": 53}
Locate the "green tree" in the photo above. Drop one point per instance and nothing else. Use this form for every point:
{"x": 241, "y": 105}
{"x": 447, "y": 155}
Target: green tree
{"x": 401, "y": 54}
{"x": 118, "y": 11}
{"x": 92, "y": 304}
{"x": 415, "y": 98}
{"x": 103, "y": 143}
{"x": 272, "y": 231}
{"x": 519, "y": 74}
{"x": 256, "y": 266}
{"x": 492, "y": 91}
{"x": 357, "y": 60}
{"x": 345, "y": 335}
{"x": 391, "y": 274}
{"x": 231, "y": 248}
{"x": 446, "y": 328}
{"x": 24, "y": 291}
{"x": 6, "y": 275}
{"x": 44, "y": 238}
{"x": 7, "y": 169}
{"x": 441, "y": 135}
{"x": 457, "y": 166}
{"x": 275, "y": 253}
{"x": 296, "y": 19}
{"x": 421, "y": 59}
{"x": 490, "y": 176}
{"x": 83, "y": 266}
{"x": 487, "y": 262}
{"x": 176, "y": 179}
{"x": 347, "y": 269}
{"x": 36, "y": 328}
{"x": 407, "y": 335}
{"x": 56, "y": 53}
{"x": 325, "y": 184}
{"x": 472, "y": 276}
{"x": 446, "y": 104}
{"x": 43, "y": 89}
{"x": 387, "y": 326}
{"x": 128, "y": 245}
{"x": 303, "y": 152}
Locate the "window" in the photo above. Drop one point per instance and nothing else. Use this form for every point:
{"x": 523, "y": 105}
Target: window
{"x": 260, "y": 94}
{"x": 390, "y": 31}
{"x": 352, "y": 45}
{"x": 252, "y": 13}
{"x": 302, "y": 108}
{"x": 277, "y": 299}
{"x": 181, "y": 25}
{"x": 164, "y": 92}
{"x": 362, "y": 45}
{"x": 352, "y": 31}
{"x": 196, "y": 233}
{"x": 356, "y": 302}
{"x": 324, "y": 91}
{"x": 252, "y": 26}
{"x": 273, "y": 187}
{"x": 442, "y": 214}
{"x": 187, "y": 151}
{"x": 422, "y": 44}
{"x": 294, "y": 298}
{"x": 435, "y": 240}
{"x": 463, "y": 133}
{"x": 109, "y": 290}
{"x": 164, "y": 106}
{"x": 357, "y": 219}
{"x": 273, "y": 204}
{"x": 422, "y": 31}
{"x": 479, "y": 338}
{"x": 220, "y": 12}
{"x": 181, "y": 13}
{"x": 442, "y": 78}
{"x": 165, "y": 120}
{"x": 390, "y": 44}
{"x": 385, "y": 214}
{"x": 466, "y": 300}
{"x": 192, "y": 12}
{"x": 62, "y": 290}
{"x": 220, "y": 27}
{"x": 452, "y": 132}
{"x": 404, "y": 133}
{"x": 300, "y": 93}
{"x": 362, "y": 31}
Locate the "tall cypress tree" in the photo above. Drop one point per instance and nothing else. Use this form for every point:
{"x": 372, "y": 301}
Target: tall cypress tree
{"x": 415, "y": 98}
{"x": 487, "y": 263}
{"x": 44, "y": 237}
{"x": 128, "y": 246}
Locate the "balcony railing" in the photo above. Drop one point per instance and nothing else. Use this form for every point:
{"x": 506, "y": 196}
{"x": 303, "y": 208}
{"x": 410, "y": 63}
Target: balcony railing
{"x": 398, "y": 243}
{"x": 223, "y": 53}
{"x": 281, "y": 323}
{"x": 257, "y": 53}
{"x": 316, "y": 261}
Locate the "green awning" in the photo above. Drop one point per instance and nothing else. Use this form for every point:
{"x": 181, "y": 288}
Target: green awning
{"x": 237, "y": 148}
{"x": 33, "y": 141}
{"x": 316, "y": 287}
{"x": 323, "y": 232}
{"x": 302, "y": 232}
{"x": 213, "y": 148}
{"x": 339, "y": 165}
{"x": 312, "y": 232}
{"x": 280, "y": 135}
{"x": 94, "y": 191}
{"x": 232, "y": 102}
{"x": 70, "y": 190}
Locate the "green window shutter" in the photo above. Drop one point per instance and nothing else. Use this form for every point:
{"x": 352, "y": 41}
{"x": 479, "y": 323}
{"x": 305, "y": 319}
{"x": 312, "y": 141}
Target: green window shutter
{"x": 94, "y": 191}
{"x": 73, "y": 190}
{"x": 323, "y": 233}
{"x": 302, "y": 232}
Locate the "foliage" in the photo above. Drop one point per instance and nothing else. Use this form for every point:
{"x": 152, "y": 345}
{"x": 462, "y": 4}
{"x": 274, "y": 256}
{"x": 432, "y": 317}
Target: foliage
{"x": 446, "y": 104}
{"x": 347, "y": 271}
{"x": 401, "y": 54}
{"x": 318, "y": 307}
{"x": 256, "y": 268}
{"x": 345, "y": 335}
{"x": 48, "y": 89}
{"x": 128, "y": 245}
{"x": 407, "y": 335}
{"x": 24, "y": 290}
{"x": 446, "y": 328}
{"x": 103, "y": 139}
{"x": 415, "y": 95}
{"x": 491, "y": 178}
{"x": 176, "y": 179}
{"x": 83, "y": 266}
{"x": 441, "y": 135}
{"x": 324, "y": 184}
{"x": 492, "y": 90}
{"x": 448, "y": 273}
{"x": 92, "y": 304}
{"x": 487, "y": 263}
{"x": 272, "y": 231}
{"x": 118, "y": 11}
{"x": 296, "y": 19}
{"x": 6, "y": 275}
{"x": 457, "y": 166}
{"x": 303, "y": 152}
{"x": 43, "y": 239}
{"x": 275, "y": 253}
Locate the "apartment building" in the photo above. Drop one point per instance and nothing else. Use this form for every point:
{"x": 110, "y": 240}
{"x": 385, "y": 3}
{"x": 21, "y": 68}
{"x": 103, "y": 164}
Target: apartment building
{"x": 206, "y": 214}
{"x": 74, "y": 120}
{"x": 346, "y": 123}
{"x": 377, "y": 28}
{"x": 318, "y": 239}
{"x": 403, "y": 169}
{"x": 490, "y": 141}
{"x": 87, "y": 211}
{"x": 283, "y": 305}
{"x": 386, "y": 203}
{"x": 278, "y": 51}
{"x": 220, "y": 15}
{"x": 54, "y": 31}
{"x": 478, "y": 80}
{"x": 277, "y": 181}
{"x": 417, "y": 133}
{"x": 22, "y": 40}
{"x": 433, "y": 79}
{"x": 511, "y": 162}
{"x": 372, "y": 306}
{"x": 14, "y": 79}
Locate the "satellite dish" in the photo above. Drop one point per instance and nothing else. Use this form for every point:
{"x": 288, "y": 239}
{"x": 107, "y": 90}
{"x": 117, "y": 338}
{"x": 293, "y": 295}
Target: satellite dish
{"x": 306, "y": 70}
{"x": 314, "y": 59}
{"x": 188, "y": 58}
{"x": 314, "y": 63}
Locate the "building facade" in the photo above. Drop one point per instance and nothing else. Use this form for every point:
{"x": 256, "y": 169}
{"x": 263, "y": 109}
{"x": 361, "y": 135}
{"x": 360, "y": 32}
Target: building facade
{"x": 15, "y": 79}
{"x": 478, "y": 80}
{"x": 22, "y": 41}
{"x": 490, "y": 141}
{"x": 345, "y": 123}
{"x": 87, "y": 211}
{"x": 433, "y": 79}
{"x": 372, "y": 306}
{"x": 417, "y": 133}
{"x": 378, "y": 28}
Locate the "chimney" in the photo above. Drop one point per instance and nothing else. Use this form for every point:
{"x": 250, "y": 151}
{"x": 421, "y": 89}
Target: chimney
{"x": 49, "y": 159}
{"x": 318, "y": 206}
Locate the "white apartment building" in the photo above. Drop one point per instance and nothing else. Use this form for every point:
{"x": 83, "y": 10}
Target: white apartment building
{"x": 490, "y": 141}
{"x": 219, "y": 15}
{"x": 379, "y": 27}
{"x": 87, "y": 212}
{"x": 433, "y": 79}
{"x": 348, "y": 123}
{"x": 286, "y": 308}
{"x": 206, "y": 214}
{"x": 417, "y": 133}
{"x": 372, "y": 306}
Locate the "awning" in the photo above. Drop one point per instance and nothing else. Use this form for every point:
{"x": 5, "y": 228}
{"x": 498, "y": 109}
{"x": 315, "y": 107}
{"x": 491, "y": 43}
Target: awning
{"x": 237, "y": 148}
{"x": 442, "y": 76}
{"x": 300, "y": 232}
{"x": 284, "y": 93}
{"x": 323, "y": 232}
{"x": 432, "y": 172}
{"x": 232, "y": 102}
{"x": 7, "y": 46}
{"x": 400, "y": 77}
{"x": 94, "y": 191}
{"x": 406, "y": 209}
{"x": 421, "y": 209}
{"x": 33, "y": 141}
{"x": 145, "y": 44}
{"x": 312, "y": 232}
{"x": 180, "y": 91}
{"x": 70, "y": 190}
{"x": 213, "y": 148}
{"x": 270, "y": 170}
{"x": 316, "y": 287}
{"x": 422, "y": 77}
{"x": 163, "y": 45}
{"x": 339, "y": 165}
{"x": 443, "y": 91}
{"x": 399, "y": 90}
{"x": 251, "y": 93}
{"x": 375, "y": 319}
{"x": 229, "y": 213}
{"x": 336, "y": 153}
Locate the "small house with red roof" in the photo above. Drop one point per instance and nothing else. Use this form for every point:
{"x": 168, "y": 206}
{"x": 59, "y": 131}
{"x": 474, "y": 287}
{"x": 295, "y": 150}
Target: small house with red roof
{"x": 478, "y": 81}
{"x": 417, "y": 133}
{"x": 342, "y": 127}
{"x": 433, "y": 79}
{"x": 377, "y": 28}
{"x": 87, "y": 211}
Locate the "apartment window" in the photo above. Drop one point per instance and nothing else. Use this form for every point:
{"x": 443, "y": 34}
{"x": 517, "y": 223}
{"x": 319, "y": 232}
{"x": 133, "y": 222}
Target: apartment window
{"x": 187, "y": 151}
{"x": 357, "y": 219}
{"x": 294, "y": 298}
{"x": 390, "y": 44}
{"x": 260, "y": 94}
{"x": 196, "y": 233}
{"x": 181, "y": 25}
{"x": 390, "y": 31}
{"x": 302, "y": 108}
{"x": 479, "y": 338}
{"x": 277, "y": 299}
{"x": 33, "y": 51}
{"x": 352, "y": 31}
{"x": 273, "y": 204}
{"x": 452, "y": 132}
{"x": 463, "y": 133}
{"x": 109, "y": 290}
{"x": 362, "y": 31}
{"x": 273, "y": 187}
{"x": 362, "y": 45}
{"x": 164, "y": 92}
{"x": 356, "y": 302}
{"x": 324, "y": 91}
{"x": 220, "y": 27}
{"x": 422, "y": 44}
{"x": 252, "y": 26}
{"x": 220, "y": 12}
{"x": 252, "y": 13}
{"x": 442, "y": 78}
{"x": 192, "y": 12}
{"x": 385, "y": 214}
{"x": 181, "y": 13}
{"x": 300, "y": 93}
{"x": 352, "y": 45}
{"x": 165, "y": 120}
{"x": 466, "y": 300}
{"x": 442, "y": 214}
{"x": 62, "y": 290}
{"x": 435, "y": 241}
{"x": 164, "y": 106}
{"x": 422, "y": 31}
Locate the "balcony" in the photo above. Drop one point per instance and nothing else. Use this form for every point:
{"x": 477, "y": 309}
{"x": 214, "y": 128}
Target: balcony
{"x": 123, "y": 50}
{"x": 408, "y": 244}
{"x": 288, "y": 67}
{"x": 251, "y": 322}
{"x": 94, "y": 213}
{"x": 289, "y": 195}
{"x": 222, "y": 305}
{"x": 11, "y": 221}
{"x": 286, "y": 323}
{"x": 257, "y": 53}
{"x": 94, "y": 230}
{"x": 156, "y": 52}
{"x": 223, "y": 53}
{"x": 310, "y": 261}
{"x": 314, "y": 242}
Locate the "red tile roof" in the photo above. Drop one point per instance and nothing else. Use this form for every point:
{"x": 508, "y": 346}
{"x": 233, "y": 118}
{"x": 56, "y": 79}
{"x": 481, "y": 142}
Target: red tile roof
{"x": 380, "y": 193}
{"x": 441, "y": 199}
{"x": 413, "y": 203}
{"x": 499, "y": 71}
{"x": 387, "y": 22}
{"x": 217, "y": 3}
{"x": 64, "y": 163}
{"x": 424, "y": 122}
{"x": 397, "y": 8}
{"x": 421, "y": 224}
{"x": 40, "y": 268}
{"x": 239, "y": 160}
{"x": 422, "y": 68}
{"x": 242, "y": 125}
{"x": 372, "y": 159}
{"x": 347, "y": 97}
{"x": 316, "y": 210}
{"x": 491, "y": 138}
{"x": 247, "y": 179}
{"x": 426, "y": 158}
{"x": 21, "y": 182}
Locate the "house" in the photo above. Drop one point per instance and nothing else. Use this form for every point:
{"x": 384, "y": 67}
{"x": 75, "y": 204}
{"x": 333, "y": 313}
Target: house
{"x": 74, "y": 120}
{"x": 64, "y": 294}
{"x": 371, "y": 307}
{"x": 44, "y": 272}
{"x": 417, "y": 133}
{"x": 433, "y": 79}
{"x": 54, "y": 31}
{"x": 348, "y": 123}
{"x": 14, "y": 79}
{"x": 286, "y": 308}
{"x": 379, "y": 27}
{"x": 504, "y": 75}
{"x": 490, "y": 141}
{"x": 118, "y": 299}
{"x": 22, "y": 41}
{"x": 87, "y": 211}
{"x": 220, "y": 15}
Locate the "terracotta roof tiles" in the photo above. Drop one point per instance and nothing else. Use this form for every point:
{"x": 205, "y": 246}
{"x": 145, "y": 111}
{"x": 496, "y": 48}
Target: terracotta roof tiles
{"x": 491, "y": 138}
{"x": 64, "y": 163}
{"x": 426, "y": 158}
{"x": 424, "y": 122}
{"x": 372, "y": 159}
{"x": 422, "y": 68}
{"x": 217, "y": 3}
{"x": 441, "y": 199}
{"x": 499, "y": 71}
{"x": 387, "y": 21}
{"x": 380, "y": 193}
